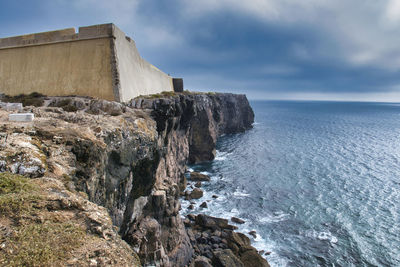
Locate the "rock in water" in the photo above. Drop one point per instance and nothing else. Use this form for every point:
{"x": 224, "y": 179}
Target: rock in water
{"x": 196, "y": 193}
{"x": 237, "y": 220}
{"x": 204, "y": 205}
{"x": 253, "y": 234}
{"x": 251, "y": 258}
{"x": 196, "y": 176}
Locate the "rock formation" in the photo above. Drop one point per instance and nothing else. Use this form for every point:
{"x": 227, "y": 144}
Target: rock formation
{"x": 130, "y": 159}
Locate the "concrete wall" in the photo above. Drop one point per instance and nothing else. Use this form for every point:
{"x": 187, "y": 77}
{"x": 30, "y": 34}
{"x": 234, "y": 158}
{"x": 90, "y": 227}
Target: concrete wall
{"x": 137, "y": 76}
{"x": 66, "y": 68}
{"x": 98, "y": 61}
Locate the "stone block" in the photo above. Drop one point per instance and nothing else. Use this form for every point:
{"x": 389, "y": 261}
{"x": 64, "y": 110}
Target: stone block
{"x": 21, "y": 117}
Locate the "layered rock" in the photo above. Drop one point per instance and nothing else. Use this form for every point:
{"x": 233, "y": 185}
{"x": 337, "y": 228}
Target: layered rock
{"x": 129, "y": 159}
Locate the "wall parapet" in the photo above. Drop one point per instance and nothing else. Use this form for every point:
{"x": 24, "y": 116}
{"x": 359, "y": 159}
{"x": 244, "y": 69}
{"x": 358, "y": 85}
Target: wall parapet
{"x": 58, "y": 36}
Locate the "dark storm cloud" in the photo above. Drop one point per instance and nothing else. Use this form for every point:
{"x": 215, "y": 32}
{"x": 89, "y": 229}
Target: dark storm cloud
{"x": 256, "y": 46}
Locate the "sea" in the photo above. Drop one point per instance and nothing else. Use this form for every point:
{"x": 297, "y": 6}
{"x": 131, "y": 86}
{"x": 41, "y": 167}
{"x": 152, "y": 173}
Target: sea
{"x": 319, "y": 182}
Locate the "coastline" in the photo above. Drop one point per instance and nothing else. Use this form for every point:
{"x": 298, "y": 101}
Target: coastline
{"x": 131, "y": 159}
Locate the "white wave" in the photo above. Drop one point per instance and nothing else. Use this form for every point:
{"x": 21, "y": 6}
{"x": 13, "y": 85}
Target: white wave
{"x": 220, "y": 156}
{"x": 274, "y": 218}
{"x": 268, "y": 246}
{"x": 327, "y": 236}
{"x": 240, "y": 194}
{"x": 234, "y": 210}
{"x": 190, "y": 170}
{"x": 323, "y": 235}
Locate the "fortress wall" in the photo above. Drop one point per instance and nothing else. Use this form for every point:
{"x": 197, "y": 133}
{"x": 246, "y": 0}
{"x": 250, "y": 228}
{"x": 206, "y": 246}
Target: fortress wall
{"x": 137, "y": 76}
{"x": 80, "y": 67}
{"x": 98, "y": 61}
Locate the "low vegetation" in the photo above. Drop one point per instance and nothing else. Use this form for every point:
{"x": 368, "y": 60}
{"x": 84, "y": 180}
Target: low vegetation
{"x": 172, "y": 94}
{"x": 25, "y": 240}
{"x": 33, "y": 99}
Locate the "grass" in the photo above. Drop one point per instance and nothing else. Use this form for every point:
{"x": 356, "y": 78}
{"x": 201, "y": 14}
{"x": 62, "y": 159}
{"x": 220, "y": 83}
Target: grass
{"x": 12, "y": 183}
{"x": 17, "y": 195}
{"x": 32, "y": 243}
{"x": 43, "y": 244}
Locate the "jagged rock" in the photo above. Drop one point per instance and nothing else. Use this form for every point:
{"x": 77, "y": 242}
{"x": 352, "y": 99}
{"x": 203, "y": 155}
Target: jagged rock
{"x": 238, "y": 238}
{"x": 237, "y": 220}
{"x": 213, "y": 223}
{"x": 253, "y": 234}
{"x": 191, "y": 217}
{"x": 201, "y": 262}
{"x": 252, "y": 258}
{"x": 204, "y": 205}
{"x": 196, "y": 193}
{"x": 198, "y": 184}
{"x": 214, "y": 196}
{"x": 196, "y": 176}
{"x": 69, "y": 104}
{"x": 22, "y": 154}
{"x": 99, "y": 106}
{"x": 226, "y": 258}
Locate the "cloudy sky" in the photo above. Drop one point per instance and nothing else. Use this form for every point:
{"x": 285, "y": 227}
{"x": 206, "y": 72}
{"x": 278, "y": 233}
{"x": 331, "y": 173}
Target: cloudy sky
{"x": 268, "y": 49}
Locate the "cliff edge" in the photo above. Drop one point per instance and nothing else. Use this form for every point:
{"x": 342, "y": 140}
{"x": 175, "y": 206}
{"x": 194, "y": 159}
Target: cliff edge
{"x": 130, "y": 160}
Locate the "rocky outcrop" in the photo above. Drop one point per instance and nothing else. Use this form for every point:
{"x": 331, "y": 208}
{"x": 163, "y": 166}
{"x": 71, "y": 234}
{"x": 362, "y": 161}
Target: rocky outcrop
{"x": 202, "y": 118}
{"x": 42, "y": 223}
{"x": 130, "y": 159}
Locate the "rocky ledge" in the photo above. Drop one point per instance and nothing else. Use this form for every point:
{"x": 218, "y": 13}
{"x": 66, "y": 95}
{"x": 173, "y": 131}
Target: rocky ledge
{"x": 129, "y": 160}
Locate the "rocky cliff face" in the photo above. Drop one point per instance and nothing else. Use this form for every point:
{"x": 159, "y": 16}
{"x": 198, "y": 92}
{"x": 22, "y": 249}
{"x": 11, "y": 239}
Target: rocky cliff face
{"x": 129, "y": 159}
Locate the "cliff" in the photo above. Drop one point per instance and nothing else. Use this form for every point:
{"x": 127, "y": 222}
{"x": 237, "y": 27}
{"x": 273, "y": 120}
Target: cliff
{"x": 131, "y": 159}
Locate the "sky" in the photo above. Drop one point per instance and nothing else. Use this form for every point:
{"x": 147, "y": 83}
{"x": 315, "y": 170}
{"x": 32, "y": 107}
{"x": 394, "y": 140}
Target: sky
{"x": 267, "y": 49}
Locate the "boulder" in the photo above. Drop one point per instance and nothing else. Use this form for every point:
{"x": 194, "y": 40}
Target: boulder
{"x": 253, "y": 234}
{"x": 226, "y": 258}
{"x": 196, "y": 193}
{"x": 237, "y": 220}
{"x": 240, "y": 239}
{"x": 201, "y": 261}
{"x": 204, "y": 205}
{"x": 251, "y": 258}
{"x": 99, "y": 106}
{"x": 196, "y": 176}
{"x": 211, "y": 222}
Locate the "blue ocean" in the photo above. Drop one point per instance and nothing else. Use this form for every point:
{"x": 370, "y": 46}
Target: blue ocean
{"x": 319, "y": 182}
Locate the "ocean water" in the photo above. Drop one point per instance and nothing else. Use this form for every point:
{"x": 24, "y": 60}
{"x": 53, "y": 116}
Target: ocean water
{"x": 318, "y": 181}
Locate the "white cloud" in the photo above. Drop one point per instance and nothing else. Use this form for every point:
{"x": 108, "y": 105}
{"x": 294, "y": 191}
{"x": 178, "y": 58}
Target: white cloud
{"x": 393, "y": 10}
{"x": 265, "y": 9}
{"x": 358, "y": 32}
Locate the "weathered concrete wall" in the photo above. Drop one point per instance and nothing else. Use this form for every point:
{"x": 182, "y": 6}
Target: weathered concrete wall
{"x": 65, "y": 68}
{"x": 98, "y": 61}
{"x": 137, "y": 76}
